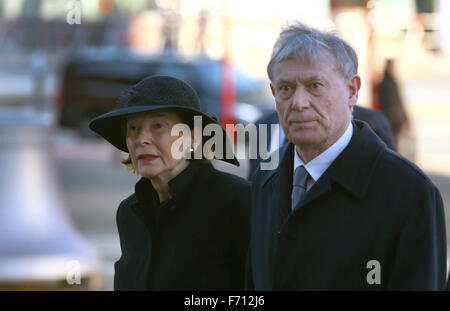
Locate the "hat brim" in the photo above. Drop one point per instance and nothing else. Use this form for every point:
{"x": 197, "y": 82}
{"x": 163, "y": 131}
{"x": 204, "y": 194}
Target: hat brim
{"x": 109, "y": 125}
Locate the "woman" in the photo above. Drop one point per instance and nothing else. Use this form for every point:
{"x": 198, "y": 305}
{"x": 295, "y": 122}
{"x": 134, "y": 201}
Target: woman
{"x": 186, "y": 227}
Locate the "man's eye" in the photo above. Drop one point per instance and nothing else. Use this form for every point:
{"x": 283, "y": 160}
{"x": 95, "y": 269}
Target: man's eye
{"x": 315, "y": 85}
{"x": 284, "y": 88}
{"x": 132, "y": 127}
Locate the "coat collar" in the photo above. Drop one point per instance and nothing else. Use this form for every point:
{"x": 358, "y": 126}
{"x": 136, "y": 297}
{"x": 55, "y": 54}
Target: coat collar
{"x": 181, "y": 185}
{"x": 352, "y": 169}
{"x": 147, "y": 205}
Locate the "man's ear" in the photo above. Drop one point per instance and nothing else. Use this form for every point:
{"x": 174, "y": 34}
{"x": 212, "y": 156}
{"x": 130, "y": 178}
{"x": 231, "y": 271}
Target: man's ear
{"x": 272, "y": 88}
{"x": 354, "y": 84}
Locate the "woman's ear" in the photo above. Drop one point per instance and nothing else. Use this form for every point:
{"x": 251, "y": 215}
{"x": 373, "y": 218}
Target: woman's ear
{"x": 196, "y": 140}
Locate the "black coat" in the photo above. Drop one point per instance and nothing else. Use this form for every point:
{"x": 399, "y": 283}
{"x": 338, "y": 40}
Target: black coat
{"x": 198, "y": 240}
{"x": 376, "y": 119}
{"x": 370, "y": 204}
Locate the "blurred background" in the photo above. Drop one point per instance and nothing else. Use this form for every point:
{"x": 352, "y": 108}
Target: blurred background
{"x": 63, "y": 62}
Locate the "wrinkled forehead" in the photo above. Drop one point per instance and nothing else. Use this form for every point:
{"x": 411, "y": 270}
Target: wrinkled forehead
{"x": 320, "y": 63}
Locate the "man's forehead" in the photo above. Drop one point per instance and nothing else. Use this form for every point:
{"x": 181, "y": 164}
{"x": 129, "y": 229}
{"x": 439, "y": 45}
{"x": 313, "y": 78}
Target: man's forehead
{"x": 318, "y": 67}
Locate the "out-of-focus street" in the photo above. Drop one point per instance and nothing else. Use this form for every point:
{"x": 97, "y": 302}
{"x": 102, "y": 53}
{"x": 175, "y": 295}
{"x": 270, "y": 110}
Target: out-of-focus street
{"x": 73, "y": 71}
{"x": 94, "y": 182}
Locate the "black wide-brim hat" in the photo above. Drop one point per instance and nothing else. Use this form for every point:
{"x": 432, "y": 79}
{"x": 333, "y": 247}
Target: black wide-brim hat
{"x": 150, "y": 94}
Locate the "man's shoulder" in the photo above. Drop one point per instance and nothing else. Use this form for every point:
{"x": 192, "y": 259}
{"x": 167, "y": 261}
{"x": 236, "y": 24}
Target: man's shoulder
{"x": 261, "y": 177}
{"x": 402, "y": 171}
{"x": 269, "y": 118}
{"x": 267, "y": 170}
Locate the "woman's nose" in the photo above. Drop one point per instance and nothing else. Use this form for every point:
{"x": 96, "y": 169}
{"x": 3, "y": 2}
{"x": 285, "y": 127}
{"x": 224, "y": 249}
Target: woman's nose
{"x": 144, "y": 137}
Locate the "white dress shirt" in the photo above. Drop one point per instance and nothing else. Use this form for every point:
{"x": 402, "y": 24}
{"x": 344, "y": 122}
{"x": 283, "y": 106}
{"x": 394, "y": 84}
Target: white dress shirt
{"x": 317, "y": 166}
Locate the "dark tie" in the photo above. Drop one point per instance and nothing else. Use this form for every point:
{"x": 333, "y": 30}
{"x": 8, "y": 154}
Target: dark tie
{"x": 299, "y": 185}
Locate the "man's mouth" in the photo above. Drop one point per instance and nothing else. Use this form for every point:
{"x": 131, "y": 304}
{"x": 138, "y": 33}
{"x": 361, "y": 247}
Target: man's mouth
{"x": 303, "y": 122}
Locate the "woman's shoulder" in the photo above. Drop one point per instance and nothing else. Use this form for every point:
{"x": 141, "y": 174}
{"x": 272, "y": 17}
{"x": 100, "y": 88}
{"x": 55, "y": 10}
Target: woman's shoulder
{"x": 127, "y": 203}
{"x": 130, "y": 200}
{"x": 228, "y": 187}
{"x": 227, "y": 179}
{"x": 227, "y": 190}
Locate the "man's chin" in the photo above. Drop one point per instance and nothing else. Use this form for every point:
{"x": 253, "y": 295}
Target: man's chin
{"x": 306, "y": 141}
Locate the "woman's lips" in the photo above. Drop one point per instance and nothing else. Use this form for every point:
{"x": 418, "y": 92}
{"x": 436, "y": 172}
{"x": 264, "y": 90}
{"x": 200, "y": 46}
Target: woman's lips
{"x": 147, "y": 157}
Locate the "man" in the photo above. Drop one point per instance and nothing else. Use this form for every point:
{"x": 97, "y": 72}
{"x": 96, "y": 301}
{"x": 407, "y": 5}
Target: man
{"x": 391, "y": 103}
{"x": 359, "y": 216}
{"x": 376, "y": 119}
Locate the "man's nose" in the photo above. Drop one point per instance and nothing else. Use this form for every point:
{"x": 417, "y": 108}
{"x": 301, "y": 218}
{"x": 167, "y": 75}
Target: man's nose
{"x": 300, "y": 99}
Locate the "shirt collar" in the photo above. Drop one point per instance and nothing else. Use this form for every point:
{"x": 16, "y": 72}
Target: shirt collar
{"x": 317, "y": 166}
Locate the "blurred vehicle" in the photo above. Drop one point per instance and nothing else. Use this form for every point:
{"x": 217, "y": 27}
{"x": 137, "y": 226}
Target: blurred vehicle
{"x": 93, "y": 79}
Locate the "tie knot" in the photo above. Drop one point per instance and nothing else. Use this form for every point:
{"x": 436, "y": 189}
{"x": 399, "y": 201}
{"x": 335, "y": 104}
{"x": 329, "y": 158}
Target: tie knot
{"x": 300, "y": 177}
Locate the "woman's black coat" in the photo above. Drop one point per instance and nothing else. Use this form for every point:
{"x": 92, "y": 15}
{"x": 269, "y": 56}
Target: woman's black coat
{"x": 198, "y": 240}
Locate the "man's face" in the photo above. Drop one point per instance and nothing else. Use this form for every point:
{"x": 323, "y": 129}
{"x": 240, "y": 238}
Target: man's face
{"x": 313, "y": 101}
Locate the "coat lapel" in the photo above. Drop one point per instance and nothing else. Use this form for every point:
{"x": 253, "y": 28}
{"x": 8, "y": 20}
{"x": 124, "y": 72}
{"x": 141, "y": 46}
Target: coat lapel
{"x": 319, "y": 188}
{"x": 279, "y": 183}
{"x": 352, "y": 168}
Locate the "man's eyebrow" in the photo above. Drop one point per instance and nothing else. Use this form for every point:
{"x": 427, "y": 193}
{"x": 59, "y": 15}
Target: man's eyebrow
{"x": 283, "y": 81}
{"x": 305, "y": 80}
{"x": 315, "y": 78}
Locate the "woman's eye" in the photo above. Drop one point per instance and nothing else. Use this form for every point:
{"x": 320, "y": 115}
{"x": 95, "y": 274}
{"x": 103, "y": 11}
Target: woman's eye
{"x": 158, "y": 125}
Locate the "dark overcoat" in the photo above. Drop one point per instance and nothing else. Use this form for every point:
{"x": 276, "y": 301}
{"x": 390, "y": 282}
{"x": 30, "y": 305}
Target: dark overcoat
{"x": 197, "y": 240}
{"x": 373, "y": 220}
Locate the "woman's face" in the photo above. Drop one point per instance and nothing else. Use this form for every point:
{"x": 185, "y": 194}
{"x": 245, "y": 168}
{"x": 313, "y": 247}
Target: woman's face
{"x": 149, "y": 143}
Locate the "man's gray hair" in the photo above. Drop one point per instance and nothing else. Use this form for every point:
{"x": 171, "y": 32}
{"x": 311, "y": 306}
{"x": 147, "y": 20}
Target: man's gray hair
{"x": 298, "y": 40}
